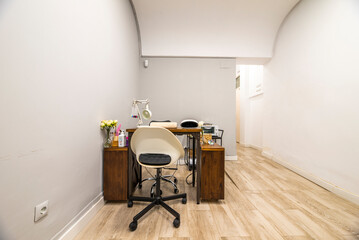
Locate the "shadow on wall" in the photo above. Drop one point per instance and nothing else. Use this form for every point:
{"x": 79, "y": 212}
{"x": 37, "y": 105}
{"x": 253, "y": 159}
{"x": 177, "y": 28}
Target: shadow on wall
{"x": 3, "y": 234}
{"x": 3, "y": 4}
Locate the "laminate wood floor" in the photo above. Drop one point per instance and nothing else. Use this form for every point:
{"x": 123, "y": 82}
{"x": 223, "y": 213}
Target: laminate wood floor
{"x": 263, "y": 200}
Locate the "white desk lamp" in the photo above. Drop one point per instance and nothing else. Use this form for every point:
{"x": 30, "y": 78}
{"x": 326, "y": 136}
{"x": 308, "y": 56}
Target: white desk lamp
{"x": 146, "y": 113}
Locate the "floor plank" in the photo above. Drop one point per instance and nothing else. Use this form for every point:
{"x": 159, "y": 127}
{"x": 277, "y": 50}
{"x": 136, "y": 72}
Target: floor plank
{"x": 263, "y": 200}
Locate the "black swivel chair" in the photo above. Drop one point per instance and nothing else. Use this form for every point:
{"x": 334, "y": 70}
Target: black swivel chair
{"x": 156, "y": 147}
{"x": 167, "y": 178}
{"x": 218, "y": 137}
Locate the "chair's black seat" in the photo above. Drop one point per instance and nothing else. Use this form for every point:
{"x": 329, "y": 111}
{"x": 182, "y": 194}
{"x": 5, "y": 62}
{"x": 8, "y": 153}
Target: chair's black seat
{"x": 154, "y": 159}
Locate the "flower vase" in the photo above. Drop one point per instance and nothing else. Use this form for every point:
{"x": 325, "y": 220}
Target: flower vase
{"x": 108, "y": 137}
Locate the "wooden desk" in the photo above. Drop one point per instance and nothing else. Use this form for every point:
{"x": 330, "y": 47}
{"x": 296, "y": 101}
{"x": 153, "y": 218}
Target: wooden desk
{"x": 132, "y": 162}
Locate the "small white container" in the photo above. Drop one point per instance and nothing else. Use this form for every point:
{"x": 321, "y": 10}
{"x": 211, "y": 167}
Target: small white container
{"x": 122, "y": 139}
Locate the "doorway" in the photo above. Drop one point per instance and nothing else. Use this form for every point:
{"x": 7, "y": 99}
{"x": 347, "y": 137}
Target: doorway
{"x": 237, "y": 104}
{"x": 249, "y": 105}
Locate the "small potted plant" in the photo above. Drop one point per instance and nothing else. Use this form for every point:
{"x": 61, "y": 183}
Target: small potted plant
{"x": 109, "y": 127}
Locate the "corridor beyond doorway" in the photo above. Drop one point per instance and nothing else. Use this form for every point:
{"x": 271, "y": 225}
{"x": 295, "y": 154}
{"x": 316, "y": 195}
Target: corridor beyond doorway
{"x": 249, "y": 105}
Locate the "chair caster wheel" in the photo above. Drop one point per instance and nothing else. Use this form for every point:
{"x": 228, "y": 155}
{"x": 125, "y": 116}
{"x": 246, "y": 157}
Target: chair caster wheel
{"x": 129, "y": 203}
{"x": 176, "y": 223}
{"x": 133, "y": 226}
{"x": 184, "y": 200}
{"x": 139, "y": 186}
{"x": 175, "y": 180}
{"x": 176, "y": 190}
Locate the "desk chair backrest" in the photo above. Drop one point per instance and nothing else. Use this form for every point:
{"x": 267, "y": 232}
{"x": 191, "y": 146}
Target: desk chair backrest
{"x": 156, "y": 140}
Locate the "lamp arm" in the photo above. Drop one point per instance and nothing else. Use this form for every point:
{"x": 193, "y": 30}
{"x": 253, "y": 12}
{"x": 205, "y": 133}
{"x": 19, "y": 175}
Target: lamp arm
{"x": 142, "y": 101}
{"x": 135, "y": 104}
{"x": 140, "y": 122}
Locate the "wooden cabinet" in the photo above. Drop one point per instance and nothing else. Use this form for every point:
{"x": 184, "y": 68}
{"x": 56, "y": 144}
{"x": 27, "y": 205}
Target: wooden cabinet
{"x": 212, "y": 172}
{"x": 115, "y": 173}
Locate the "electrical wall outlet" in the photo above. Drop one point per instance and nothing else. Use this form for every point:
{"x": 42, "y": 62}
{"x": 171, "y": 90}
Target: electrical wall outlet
{"x": 41, "y": 210}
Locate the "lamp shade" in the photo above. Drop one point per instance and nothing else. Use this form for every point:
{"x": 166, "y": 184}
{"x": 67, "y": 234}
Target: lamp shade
{"x": 147, "y": 114}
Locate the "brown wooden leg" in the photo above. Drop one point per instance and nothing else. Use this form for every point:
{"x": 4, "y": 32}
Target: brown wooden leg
{"x": 193, "y": 160}
{"x": 198, "y": 165}
{"x": 129, "y": 165}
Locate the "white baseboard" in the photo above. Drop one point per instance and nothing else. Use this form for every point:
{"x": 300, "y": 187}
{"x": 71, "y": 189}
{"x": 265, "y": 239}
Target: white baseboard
{"x": 267, "y": 154}
{"x": 231, "y": 158}
{"x": 251, "y": 146}
{"x": 81, "y": 219}
{"x": 244, "y": 144}
{"x": 255, "y": 147}
{"x": 317, "y": 180}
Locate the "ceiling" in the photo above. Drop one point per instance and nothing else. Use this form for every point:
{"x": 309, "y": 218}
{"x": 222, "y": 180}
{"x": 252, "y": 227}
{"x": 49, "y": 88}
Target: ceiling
{"x": 245, "y": 29}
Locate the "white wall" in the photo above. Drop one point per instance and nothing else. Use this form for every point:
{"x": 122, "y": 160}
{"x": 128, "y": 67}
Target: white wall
{"x": 193, "y": 88}
{"x": 211, "y": 28}
{"x": 311, "y": 92}
{"x": 64, "y": 66}
{"x": 256, "y": 121}
{"x": 251, "y": 106}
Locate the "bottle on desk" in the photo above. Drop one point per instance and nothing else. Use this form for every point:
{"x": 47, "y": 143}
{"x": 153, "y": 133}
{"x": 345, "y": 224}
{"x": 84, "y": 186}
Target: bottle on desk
{"x": 115, "y": 141}
{"x": 122, "y": 139}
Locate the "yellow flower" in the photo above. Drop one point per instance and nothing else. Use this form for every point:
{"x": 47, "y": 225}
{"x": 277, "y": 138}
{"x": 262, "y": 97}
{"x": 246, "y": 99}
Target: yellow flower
{"x": 108, "y": 123}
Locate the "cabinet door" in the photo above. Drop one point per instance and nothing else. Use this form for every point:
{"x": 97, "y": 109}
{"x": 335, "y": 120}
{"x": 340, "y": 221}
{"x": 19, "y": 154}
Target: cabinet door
{"x": 115, "y": 175}
{"x": 212, "y": 175}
